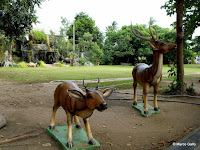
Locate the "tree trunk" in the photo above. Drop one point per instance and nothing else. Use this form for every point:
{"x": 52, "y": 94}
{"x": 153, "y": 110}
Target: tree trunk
{"x": 73, "y": 44}
{"x": 179, "y": 41}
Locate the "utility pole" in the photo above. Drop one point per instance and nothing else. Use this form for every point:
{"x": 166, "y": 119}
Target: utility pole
{"x": 179, "y": 41}
{"x": 72, "y": 62}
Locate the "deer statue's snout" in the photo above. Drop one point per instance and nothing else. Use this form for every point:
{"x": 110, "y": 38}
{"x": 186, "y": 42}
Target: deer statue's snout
{"x": 102, "y": 106}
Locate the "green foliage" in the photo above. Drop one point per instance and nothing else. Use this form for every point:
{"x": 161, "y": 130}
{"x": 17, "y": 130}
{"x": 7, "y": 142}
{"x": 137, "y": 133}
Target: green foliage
{"x": 22, "y": 64}
{"x": 82, "y": 60}
{"x": 40, "y": 64}
{"x": 4, "y": 42}
{"x": 16, "y": 59}
{"x": 39, "y": 36}
{"x": 84, "y": 24}
{"x": 190, "y": 90}
{"x": 196, "y": 45}
{"x": 172, "y": 71}
{"x": 123, "y": 46}
{"x": 95, "y": 53}
{"x": 60, "y": 64}
{"x": 174, "y": 86}
{"x": 17, "y": 16}
{"x": 113, "y": 27}
{"x": 191, "y": 18}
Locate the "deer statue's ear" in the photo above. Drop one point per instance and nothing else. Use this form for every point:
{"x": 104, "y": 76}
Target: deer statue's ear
{"x": 153, "y": 46}
{"x": 76, "y": 95}
{"x": 107, "y": 92}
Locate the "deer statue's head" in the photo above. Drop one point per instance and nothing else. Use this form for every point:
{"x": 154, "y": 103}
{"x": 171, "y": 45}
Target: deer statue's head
{"x": 160, "y": 46}
{"x": 94, "y": 99}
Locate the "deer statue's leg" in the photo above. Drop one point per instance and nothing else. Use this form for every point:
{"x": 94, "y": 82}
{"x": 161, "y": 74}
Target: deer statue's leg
{"x": 69, "y": 133}
{"x": 135, "y": 93}
{"x": 155, "y": 96}
{"x": 76, "y": 120}
{"x": 145, "y": 94}
{"x": 52, "y": 121}
{"x": 88, "y": 131}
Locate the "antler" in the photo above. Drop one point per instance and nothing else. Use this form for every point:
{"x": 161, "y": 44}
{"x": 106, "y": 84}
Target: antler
{"x": 139, "y": 36}
{"x": 151, "y": 33}
{"x": 143, "y": 37}
{"x": 97, "y": 87}
{"x": 157, "y": 38}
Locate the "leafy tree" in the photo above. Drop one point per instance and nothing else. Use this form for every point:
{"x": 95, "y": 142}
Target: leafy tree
{"x": 152, "y": 21}
{"x": 92, "y": 48}
{"x": 182, "y": 9}
{"x": 84, "y": 24}
{"x": 95, "y": 53}
{"x": 191, "y": 17}
{"x": 123, "y": 46}
{"x": 63, "y": 45}
{"x": 196, "y": 45}
{"x": 113, "y": 27}
{"x": 17, "y": 16}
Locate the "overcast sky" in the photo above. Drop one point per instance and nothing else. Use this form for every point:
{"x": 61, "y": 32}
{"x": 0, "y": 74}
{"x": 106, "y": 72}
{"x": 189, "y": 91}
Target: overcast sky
{"x": 103, "y": 12}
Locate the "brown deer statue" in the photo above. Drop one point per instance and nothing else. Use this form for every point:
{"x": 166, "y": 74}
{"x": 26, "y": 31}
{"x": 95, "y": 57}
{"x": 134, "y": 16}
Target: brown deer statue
{"x": 76, "y": 103}
{"x": 150, "y": 75}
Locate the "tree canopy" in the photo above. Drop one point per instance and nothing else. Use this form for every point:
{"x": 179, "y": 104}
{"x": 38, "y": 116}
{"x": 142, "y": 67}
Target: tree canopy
{"x": 191, "y": 17}
{"x": 17, "y": 16}
{"x": 123, "y": 46}
{"x": 84, "y": 24}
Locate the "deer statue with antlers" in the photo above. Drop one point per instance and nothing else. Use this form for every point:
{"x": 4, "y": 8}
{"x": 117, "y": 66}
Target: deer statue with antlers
{"x": 76, "y": 103}
{"x": 150, "y": 75}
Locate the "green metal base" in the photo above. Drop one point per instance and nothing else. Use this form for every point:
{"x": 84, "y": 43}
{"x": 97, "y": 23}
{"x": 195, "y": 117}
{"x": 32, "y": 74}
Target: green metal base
{"x": 80, "y": 139}
{"x": 140, "y": 107}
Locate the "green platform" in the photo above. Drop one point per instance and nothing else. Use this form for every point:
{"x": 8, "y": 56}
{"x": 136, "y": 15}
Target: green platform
{"x": 140, "y": 107}
{"x": 80, "y": 139}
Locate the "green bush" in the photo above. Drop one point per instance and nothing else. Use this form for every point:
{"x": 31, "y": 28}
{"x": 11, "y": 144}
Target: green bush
{"x": 39, "y": 36}
{"x": 190, "y": 90}
{"x": 42, "y": 64}
{"x": 60, "y": 64}
{"x": 16, "y": 59}
{"x": 22, "y": 64}
{"x": 82, "y": 60}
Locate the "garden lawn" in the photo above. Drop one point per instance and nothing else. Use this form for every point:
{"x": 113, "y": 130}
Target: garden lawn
{"x": 47, "y": 74}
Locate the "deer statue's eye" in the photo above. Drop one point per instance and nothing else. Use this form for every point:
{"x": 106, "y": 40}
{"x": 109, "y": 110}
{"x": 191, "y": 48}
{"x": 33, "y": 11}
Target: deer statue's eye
{"x": 89, "y": 96}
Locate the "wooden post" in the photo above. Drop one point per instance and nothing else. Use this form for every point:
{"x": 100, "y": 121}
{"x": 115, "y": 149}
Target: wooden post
{"x": 179, "y": 41}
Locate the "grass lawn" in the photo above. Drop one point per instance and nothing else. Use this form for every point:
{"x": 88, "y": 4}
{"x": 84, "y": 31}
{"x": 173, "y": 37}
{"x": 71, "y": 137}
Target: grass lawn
{"x": 47, "y": 74}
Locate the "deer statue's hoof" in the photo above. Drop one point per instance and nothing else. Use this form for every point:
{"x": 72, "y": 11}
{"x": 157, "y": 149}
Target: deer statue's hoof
{"x": 70, "y": 144}
{"x": 134, "y": 103}
{"x": 78, "y": 126}
{"x": 146, "y": 112}
{"x": 52, "y": 127}
{"x": 156, "y": 109}
{"x": 92, "y": 142}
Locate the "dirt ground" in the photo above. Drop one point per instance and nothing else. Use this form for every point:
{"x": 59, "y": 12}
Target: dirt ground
{"x": 28, "y": 107}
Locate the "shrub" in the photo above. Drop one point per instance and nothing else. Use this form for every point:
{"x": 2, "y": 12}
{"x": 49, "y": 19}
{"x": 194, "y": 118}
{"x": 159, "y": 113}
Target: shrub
{"x": 22, "y": 64}
{"x": 82, "y": 60}
{"x": 39, "y": 36}
{"x": 42, "y": 64}
{"x": 190, "y": 90}
{"x": 60, "y": 64}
